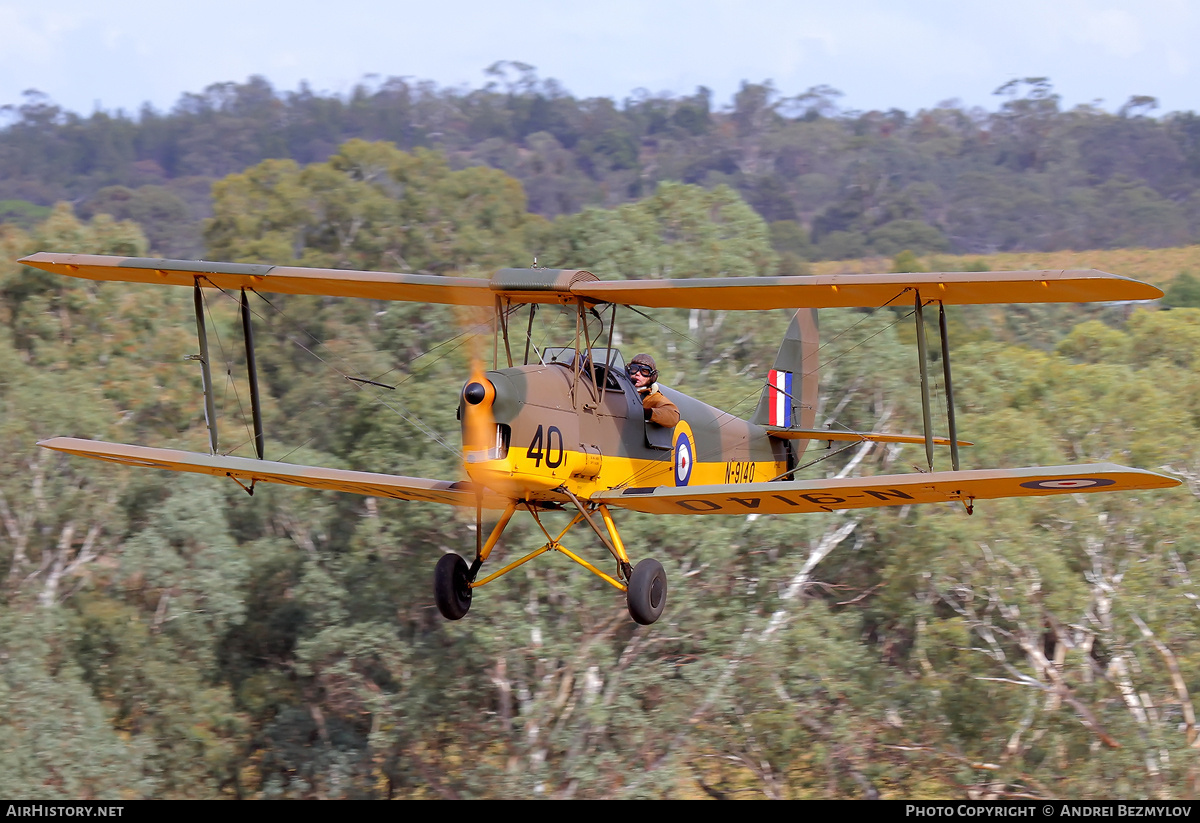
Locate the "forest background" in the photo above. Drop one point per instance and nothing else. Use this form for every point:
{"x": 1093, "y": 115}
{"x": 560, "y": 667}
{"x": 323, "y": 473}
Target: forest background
{"x": 168, "y": 636}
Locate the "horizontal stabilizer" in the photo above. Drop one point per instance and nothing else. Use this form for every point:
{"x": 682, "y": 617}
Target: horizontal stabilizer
{"x": 806, "y": 496}
{"x": 247, "y": 470}
{"x": 873, "y": 437}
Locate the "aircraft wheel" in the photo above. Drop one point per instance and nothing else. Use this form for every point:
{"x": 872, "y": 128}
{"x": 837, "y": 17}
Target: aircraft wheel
{"x": 647, "y": 593}
{"x": 452, "y": 586}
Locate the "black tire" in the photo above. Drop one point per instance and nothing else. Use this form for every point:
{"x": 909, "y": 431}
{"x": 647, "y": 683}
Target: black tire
{"x": 647, "y": 593}
{"x": 452, "y": 586}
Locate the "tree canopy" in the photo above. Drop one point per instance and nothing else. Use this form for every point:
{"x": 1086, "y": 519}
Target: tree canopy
{"x": 168, "y": 636}
{"x": 1027, "y": 176}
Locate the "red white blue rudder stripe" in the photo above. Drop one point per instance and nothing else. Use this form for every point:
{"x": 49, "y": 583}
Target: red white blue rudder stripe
{"x": 779, "y": 397}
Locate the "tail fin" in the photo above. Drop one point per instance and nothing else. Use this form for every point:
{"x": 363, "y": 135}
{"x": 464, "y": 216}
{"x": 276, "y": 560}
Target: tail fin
{"x": 789, "y": 400}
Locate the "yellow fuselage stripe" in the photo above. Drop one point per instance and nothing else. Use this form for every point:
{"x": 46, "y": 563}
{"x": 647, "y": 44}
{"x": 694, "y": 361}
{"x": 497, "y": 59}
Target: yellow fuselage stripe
{"x": 520, "y": 476}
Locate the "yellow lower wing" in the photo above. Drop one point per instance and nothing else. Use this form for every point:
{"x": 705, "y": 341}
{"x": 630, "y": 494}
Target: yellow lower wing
{"x": 804, "y": 496}
{"x": 247, "y": 470}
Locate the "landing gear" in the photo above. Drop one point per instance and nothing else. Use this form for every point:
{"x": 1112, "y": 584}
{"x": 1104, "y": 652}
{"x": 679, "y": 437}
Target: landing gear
{"x": 452, "y": 586}
{"x": 647, "y": 592}
{"x": 645, "y": 585}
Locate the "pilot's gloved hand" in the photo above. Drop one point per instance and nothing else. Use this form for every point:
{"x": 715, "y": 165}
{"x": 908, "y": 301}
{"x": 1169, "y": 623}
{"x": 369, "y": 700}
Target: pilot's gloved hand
{"x": 646, "y": 413}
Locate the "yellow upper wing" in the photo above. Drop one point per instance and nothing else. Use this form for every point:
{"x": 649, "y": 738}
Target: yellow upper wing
{"x": 423, "y": 288}
{"x": 555, "y": 285}
{"x": 805, "y": 496}
{"x": 266, "y": 471}
{"x": 852, "y": 290}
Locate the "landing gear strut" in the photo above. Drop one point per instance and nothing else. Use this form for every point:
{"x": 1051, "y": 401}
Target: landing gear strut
{"x": 645, "y": 586}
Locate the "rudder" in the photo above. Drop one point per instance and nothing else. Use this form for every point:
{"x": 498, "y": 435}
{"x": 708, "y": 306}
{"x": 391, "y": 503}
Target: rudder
{"x": 789, "y": 400}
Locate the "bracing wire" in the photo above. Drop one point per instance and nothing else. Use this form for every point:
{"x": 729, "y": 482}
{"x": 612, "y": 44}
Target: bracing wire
{"x": 729, "y": 415}
{"x": 397, "y": 408}
{"x": 671, "y": 329}
{"x": 229, "y": 381}
{"x": 463, "y": 336}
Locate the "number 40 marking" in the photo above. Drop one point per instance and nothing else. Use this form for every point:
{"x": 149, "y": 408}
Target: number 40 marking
{"x": 553, "y": 452}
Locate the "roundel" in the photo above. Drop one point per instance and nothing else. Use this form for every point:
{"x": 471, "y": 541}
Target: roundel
{"x": 1068, "y": 483}
{"x": 685, "y": 456}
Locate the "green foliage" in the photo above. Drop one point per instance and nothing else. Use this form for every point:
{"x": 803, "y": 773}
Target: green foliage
{"x": 370, "y": 206}
{"x": 22, "y": 213}
{"x": 57, "y": 738}
{"x": 1025, "y": 176}
{"x": 1095, "y": 342}
{"x": 842, "y": 245}
{"x": 790, "y": 265}
{"x": 906, "y": 261}
{"x": 789, "y": 237}
{"x": 1183, "y": 292}
{"x": 160, "y": 212}
{"x": 1166, "y": 337}
{"x": 899, "y": 236}
{"x": 168, "y": 636}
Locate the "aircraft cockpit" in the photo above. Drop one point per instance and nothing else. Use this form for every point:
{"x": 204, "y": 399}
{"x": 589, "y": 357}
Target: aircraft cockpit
{"x": 593, "y": 367}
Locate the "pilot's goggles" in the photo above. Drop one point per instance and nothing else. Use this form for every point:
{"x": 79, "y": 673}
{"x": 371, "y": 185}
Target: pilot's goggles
{"x": 638, "y": 368}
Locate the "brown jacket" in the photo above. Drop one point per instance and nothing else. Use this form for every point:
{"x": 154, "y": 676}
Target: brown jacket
{"x": 662, "y": 411}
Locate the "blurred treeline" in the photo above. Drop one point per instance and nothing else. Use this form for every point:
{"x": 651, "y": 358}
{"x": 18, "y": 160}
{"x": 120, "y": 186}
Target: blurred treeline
{"x": 170, "y": 636}
{"x": 835, "y": 183}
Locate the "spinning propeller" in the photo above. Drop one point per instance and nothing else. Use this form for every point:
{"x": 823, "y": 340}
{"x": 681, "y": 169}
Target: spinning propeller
{"x": 480, "y": 434}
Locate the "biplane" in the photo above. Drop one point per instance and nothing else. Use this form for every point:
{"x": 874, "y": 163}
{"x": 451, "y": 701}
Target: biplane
{"x": 562, "y": 428}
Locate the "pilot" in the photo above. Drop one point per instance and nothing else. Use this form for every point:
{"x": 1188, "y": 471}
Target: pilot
{"x": 656, "y": 407}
